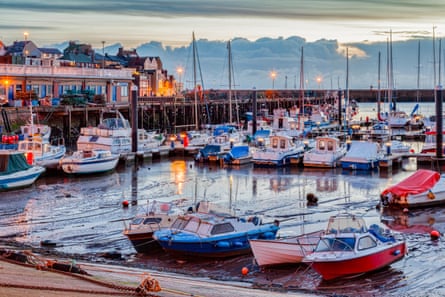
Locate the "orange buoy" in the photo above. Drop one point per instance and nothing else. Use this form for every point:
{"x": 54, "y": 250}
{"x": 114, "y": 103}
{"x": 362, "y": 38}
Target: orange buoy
{"x": 435, "y": 235}
{"x": 245, "y": 270}
{"x": 125, "y": 203}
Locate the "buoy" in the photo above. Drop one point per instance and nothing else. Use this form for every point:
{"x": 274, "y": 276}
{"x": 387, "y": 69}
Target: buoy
{"x": 245, "y": 270}
{"x": 125, "y": 203}
{"x": 435, "y": 235}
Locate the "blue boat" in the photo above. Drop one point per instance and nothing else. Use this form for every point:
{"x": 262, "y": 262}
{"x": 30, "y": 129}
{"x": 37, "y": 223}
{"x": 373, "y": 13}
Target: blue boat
{"x": 238, "y": 155}
{"x": 213, "y": 236}
{"x": 15, "y": 172}
{"x": 362, "y": 155}
{"x": 210, "y": 152}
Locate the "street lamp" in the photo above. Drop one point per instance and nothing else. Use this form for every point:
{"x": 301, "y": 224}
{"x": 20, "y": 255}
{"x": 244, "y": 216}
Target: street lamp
{"x": 25, "y": 35}
{"x": 319, "y": 82}
{"x": 273, "y": 74}
{"x": 179, "y": 70}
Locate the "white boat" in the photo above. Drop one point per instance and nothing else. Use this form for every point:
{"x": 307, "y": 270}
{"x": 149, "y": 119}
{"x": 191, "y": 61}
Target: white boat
{"x": 362, "y": 155}
{"x": 399, "y": 147}
{"x": 15, "y": 172}
{"x": 41, "y": 151}
{"x": 285, "y": 250}
{"x": 326, "y": 153}
{"x": 87, "y": 162}
{"x": 115, "y": 135}
{"x": 398, "y": 119}
{"x": 421, "y": 189}
{"x": 279, "y": 151}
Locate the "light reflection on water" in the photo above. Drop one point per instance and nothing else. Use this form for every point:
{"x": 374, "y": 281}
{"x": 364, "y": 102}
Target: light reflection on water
{"x": 85, "y": 214}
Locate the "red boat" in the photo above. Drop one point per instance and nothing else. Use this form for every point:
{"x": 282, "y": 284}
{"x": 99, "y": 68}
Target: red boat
{"x": 349, "y": 248}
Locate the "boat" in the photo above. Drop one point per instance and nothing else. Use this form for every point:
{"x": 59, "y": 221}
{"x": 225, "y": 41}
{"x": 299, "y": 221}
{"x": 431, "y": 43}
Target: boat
{"x": 42, "y": 151}
{"x": 399, "y": 147}
{"x": 210, "y": 152}
{"x": 349, "y": 248}
{"x": 380, "y": 131}
{"x": 279, "y": 151}
{"x": 361, "y": 155}
{"x": 212, "y": 235}
{"x": 421, "y": 189}
{"x": 157, "y": 215}
{"x": 284, "y": 250}
{"x": 114, "y": 134}
{"x": 89, "y": 161}
{"x": 430, "y": 144}
{"x": 326, "y": 153}
{"x": 238, "y": 155}
{"x": 15, "y": 171}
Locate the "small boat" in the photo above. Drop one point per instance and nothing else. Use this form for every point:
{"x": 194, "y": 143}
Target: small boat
{"x": 349, "y": 248}
{"x": 15, "y": 171}
{"x": 89, "y": 161}
{"x": 327, "y": 151}
{"x": 362, "y": 155}
{"x": 156, "y": 216}
{"x": 210, "y": 235}
{"x": 238, "y": 155}
{"x": 279, "y": 151}
{"x": 421, "y": 189}
{"x": 42, "y": 151}
{"x": 285, "y": 250}
{"x": 400, "y": 147}
{"x": 210, "y": 153}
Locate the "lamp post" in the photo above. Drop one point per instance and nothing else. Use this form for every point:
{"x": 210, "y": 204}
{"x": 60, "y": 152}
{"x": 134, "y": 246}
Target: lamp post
{"x": 273, "y": 75}
{"x": 179, "y": 70}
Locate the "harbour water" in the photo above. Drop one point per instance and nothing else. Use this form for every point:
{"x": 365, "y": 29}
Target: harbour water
{"x": 85, "y": 217}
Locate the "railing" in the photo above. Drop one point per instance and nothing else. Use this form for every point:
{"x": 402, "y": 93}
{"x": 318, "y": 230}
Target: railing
{"x": 60, "y": 71}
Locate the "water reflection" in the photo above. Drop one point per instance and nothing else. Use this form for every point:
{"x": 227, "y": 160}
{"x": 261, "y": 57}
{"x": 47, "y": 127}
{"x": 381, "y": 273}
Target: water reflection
{"x": 414, "y": 221}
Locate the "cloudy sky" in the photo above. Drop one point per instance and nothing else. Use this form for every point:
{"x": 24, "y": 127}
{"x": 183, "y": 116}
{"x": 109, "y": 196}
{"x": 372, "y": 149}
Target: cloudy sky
{"x": 323, "y": 24}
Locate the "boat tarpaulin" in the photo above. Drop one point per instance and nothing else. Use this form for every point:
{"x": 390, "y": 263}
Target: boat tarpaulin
{"x": 421, "y": 181}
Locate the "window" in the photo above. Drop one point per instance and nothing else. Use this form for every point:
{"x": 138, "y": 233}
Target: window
{"x": 366, "y": 243}
{"x": 283, "y": 144}
{"x": 222, "y": 228}
{"x": 321, "y": 145}
{"x": 330, "y": 145}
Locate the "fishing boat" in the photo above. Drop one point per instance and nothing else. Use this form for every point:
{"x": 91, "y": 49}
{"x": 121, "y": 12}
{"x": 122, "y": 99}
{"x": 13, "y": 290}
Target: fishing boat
{"x": 156, "y": 215}
{"x": 41, "y": 151}
{"x": 421, "y": 189}
{"x": 238, "y": 155}
{"x": 88, "y": 162}
{"x": 210, "y": 235}
{"x": 279, "y": 151}
{"x": 349, "y": 248}
{"x": 15, "y": 171}
{"x": 284, "y": 250}
{"x": 326, "y": 153}
{"x": 361, "y": 155}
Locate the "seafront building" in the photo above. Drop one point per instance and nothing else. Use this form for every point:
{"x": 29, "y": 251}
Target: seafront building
{"x": 47, "y": 73}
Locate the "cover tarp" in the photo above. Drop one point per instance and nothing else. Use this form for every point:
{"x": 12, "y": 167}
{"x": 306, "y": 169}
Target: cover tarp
{"x": 422, "y": 180}
{"x": 12, "y": 162}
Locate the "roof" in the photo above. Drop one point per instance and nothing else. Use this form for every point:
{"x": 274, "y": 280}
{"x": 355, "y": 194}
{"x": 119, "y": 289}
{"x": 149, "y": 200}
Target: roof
{"x": 421, "y": 181}
{"x": 52, "y": 51}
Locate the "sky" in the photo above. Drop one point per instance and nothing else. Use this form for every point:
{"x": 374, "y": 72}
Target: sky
{"x": 267, "y": 35}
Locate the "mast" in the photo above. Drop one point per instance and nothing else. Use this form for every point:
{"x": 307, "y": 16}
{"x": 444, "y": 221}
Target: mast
{"x": 418, "y": 72}
{"x": 347, "y": 89}
{"x": 194, "y": 82}
{"x": 378, "y": 87}
{"x": 302, "y": 83}
{"x": 229, "y": 48}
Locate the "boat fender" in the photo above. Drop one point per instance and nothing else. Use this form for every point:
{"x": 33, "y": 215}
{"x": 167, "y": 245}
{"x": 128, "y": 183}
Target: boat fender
{"x": 238, "y": 244}
{"x": 430, "y": 195}
{"x": 396, "y": 252}
{"x": 223, "y": 244}
{"x": 268, "y": 235}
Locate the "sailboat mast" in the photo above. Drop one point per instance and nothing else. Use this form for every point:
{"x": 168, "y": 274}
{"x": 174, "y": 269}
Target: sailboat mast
{"x": 418, "y": 72}
{"x": 302, "y": 82}
{"x": 378, "y": 87}
{"x": 194, "y": 82}
{"x": 347, "y": 89}
{"x": 230, "y": 81}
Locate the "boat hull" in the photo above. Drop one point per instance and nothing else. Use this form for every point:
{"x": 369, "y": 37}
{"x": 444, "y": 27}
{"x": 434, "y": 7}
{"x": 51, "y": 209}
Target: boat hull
{"x": 333, "y": 265}
{"x": 20, "y": 179}
{"x": 143, "y": 242}
{"x": 72, "y": 166}
{"x": 291, "y": 250}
